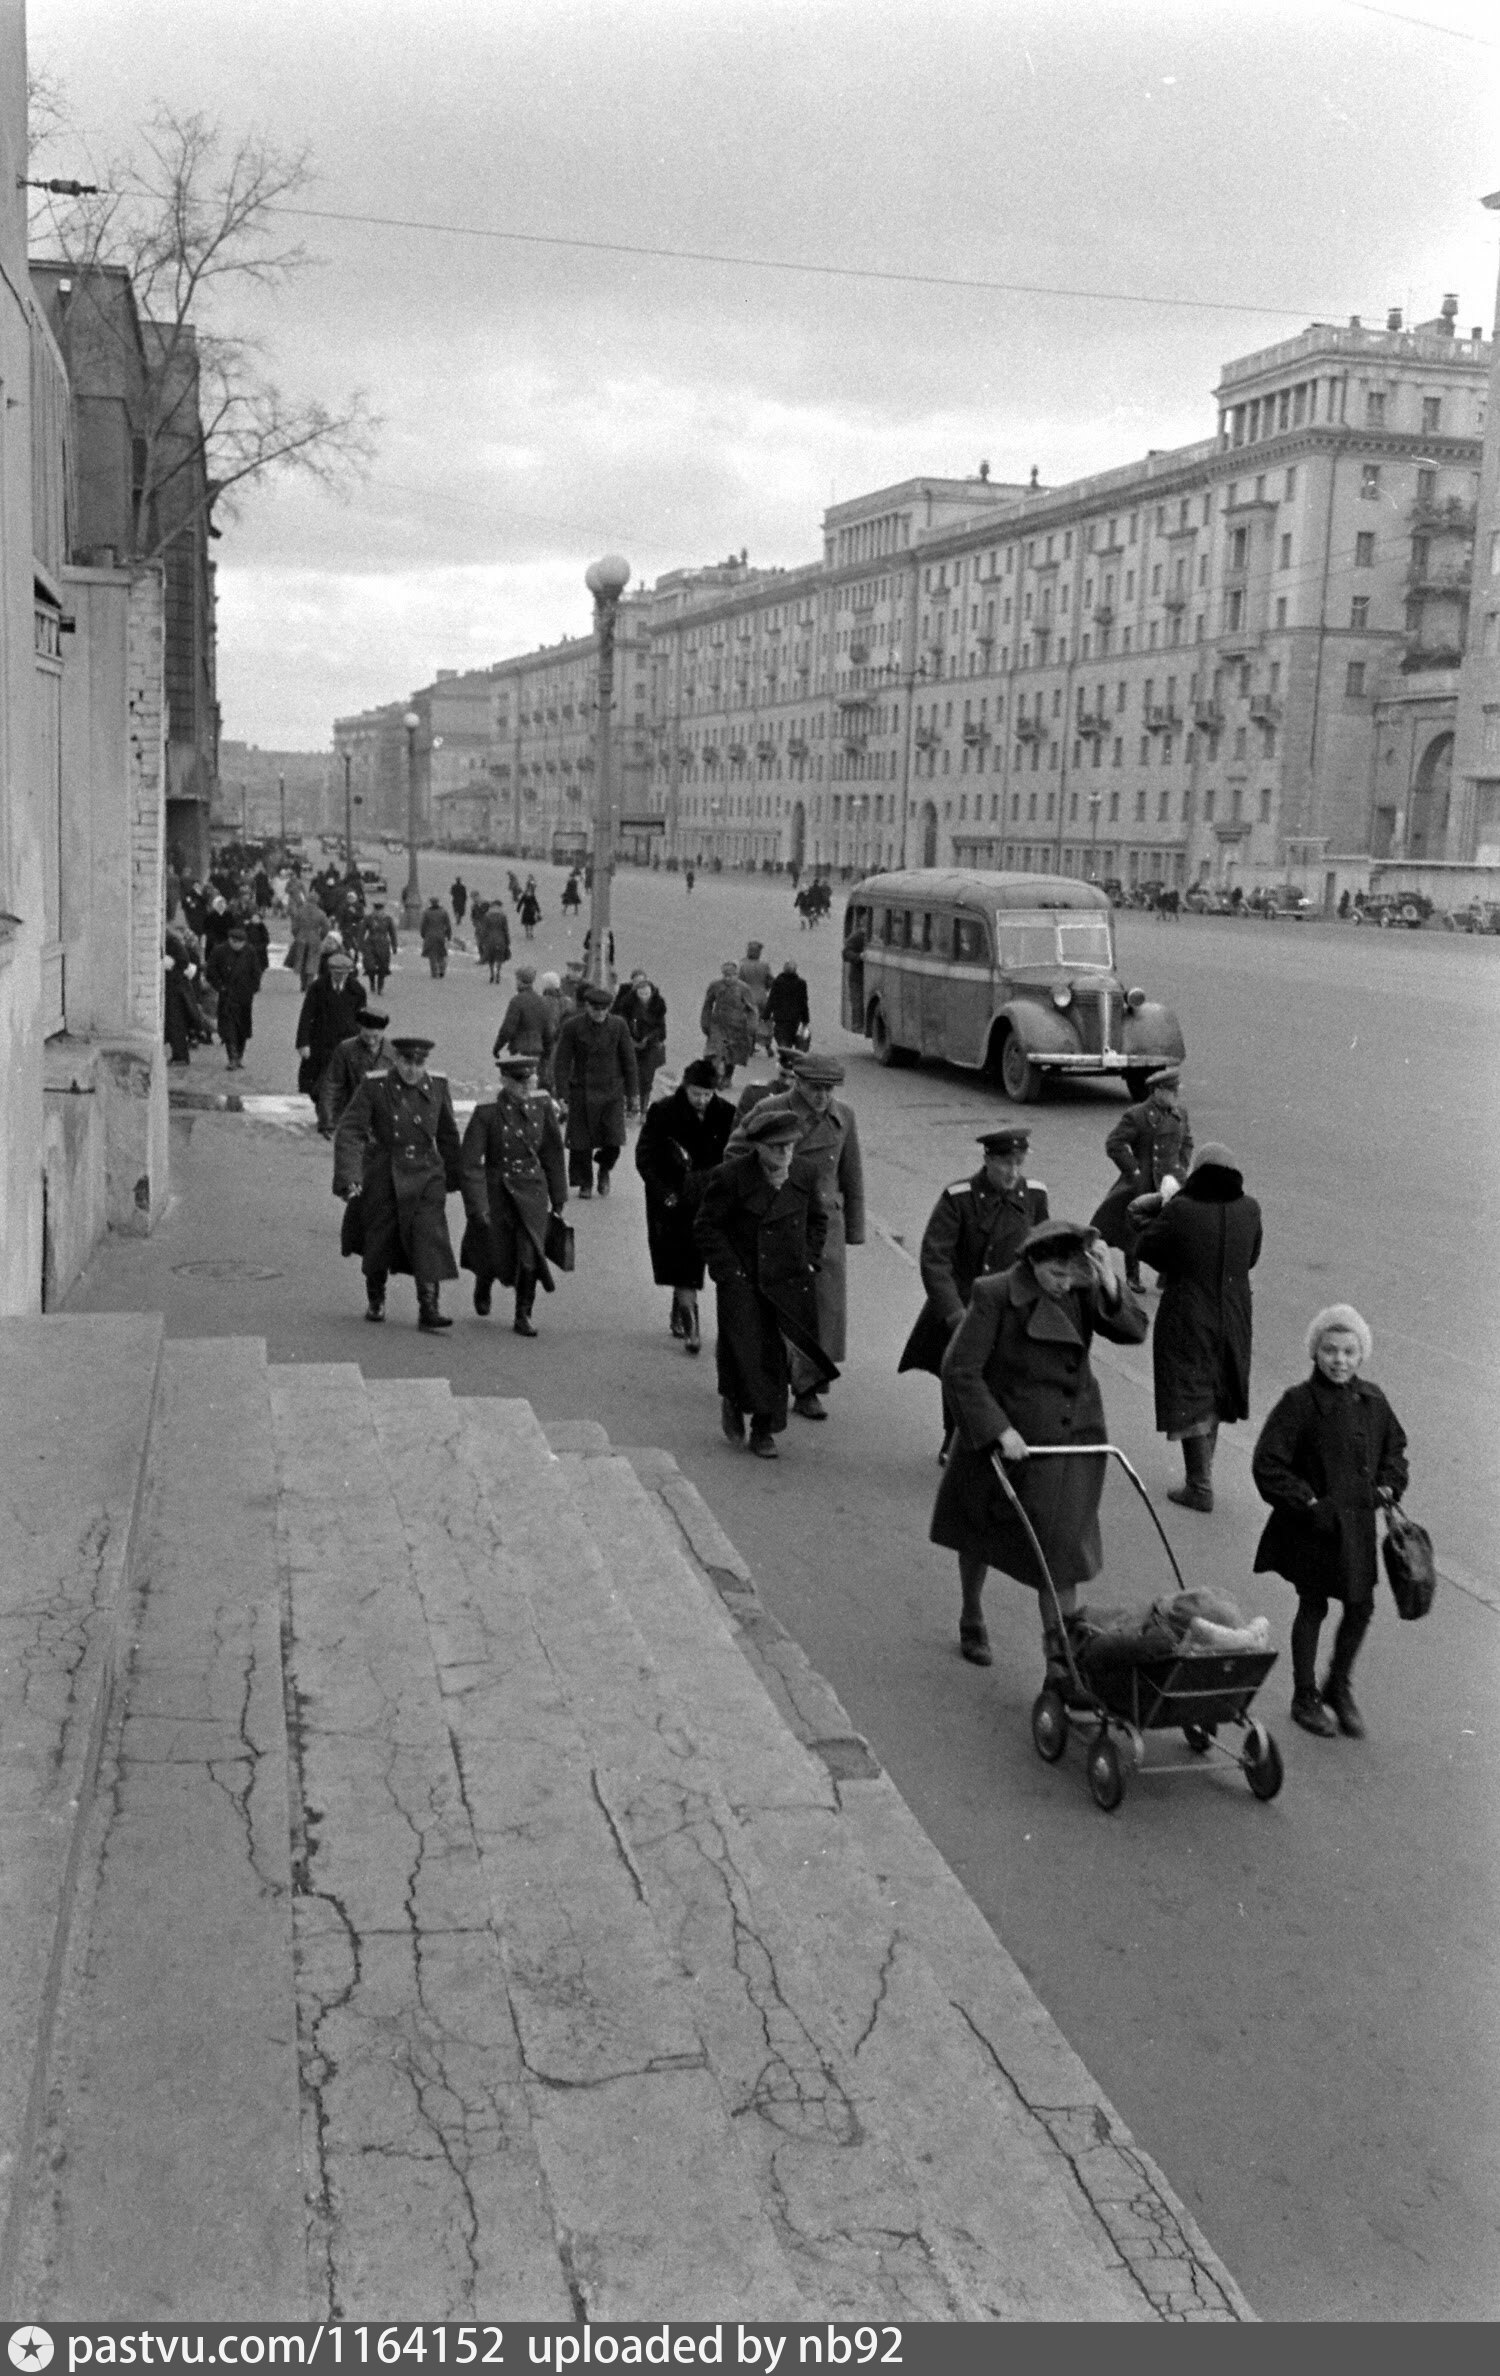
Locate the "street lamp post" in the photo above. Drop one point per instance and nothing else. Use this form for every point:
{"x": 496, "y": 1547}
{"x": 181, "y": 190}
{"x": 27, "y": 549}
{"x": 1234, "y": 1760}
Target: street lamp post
{"x": 281, "y": 791}
{"x": 606, "y": 581}
{"x": 348, "y": 758}
{"x": 1096, "y": 802}
{"x": 411, "y": 897}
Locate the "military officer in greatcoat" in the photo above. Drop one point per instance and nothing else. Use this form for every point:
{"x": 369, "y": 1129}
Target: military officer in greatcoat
{"x": 976, "y": 1228}
{"x": 396, "y": 1155}
{"x": 1151, "y": 1145}
{"x": 515, "y": 1176}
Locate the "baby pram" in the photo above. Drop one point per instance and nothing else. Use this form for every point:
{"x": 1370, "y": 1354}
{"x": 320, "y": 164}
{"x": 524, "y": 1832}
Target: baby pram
{"x": 1194, "y": 1693}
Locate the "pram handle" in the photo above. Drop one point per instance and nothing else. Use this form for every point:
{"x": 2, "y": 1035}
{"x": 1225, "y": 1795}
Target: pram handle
{"x": 1078, "y": 1452}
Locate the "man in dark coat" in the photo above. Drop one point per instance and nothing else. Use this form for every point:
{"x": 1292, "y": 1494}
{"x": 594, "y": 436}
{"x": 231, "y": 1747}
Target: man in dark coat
{"x": 761, "y": 1234}
{"x": 397, "y": 1151}
{"x": 377, "y": 945}
{"x": 234, "y": 969}
{"x": 329, "y": 1016}
{"x": 1330, "y": 1453}
{"x": 643, "y": 1011}
{"x": 1203, "y": 1243}
{"x": 787, "y": 1008}
{"x": 181, "y": 1013}
{"x": 492, "y": 933}
{"x": 682, "y": 1140}
{"x": 514, "y": 1177}
{"x": 594, "y": 1074}
{"x": 458, "y": 893}
{"x": 730, "y": 1021}
{"x": 352, "y": 1059}
{"x": 526, "y": 1027}
{"x": 976, "y": 1228}
{"x": 436, "y": 929}
{"x": 782, "y": 1084}
{"x": 1149, "y": 1145}
{"x": 755, "y": 973}
{"x": 828, "y": 1159}
{"x": 1017, "y": 1374}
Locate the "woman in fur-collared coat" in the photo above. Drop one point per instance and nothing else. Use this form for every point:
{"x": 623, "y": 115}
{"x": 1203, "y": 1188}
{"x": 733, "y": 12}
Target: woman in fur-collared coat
{"x": 1016, "y": 1374}
{"x": 1203, "y": 1244}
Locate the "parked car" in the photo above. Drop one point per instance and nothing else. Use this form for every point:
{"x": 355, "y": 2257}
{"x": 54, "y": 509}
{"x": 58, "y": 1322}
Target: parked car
{"x": 1385, "y": 908}
{"x": 1012, "y": 975}
{"x": 1201, "y": 899}
{"x": 1481, "y": 915}
{"x": 1285, "y": 899}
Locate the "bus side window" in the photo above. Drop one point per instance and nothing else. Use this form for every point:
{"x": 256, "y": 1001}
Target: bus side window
{"x": 887, "y": 932}
{"x": 907, "y": 921}
{"x": 968, "y": 941}
{"x": 927, "y": 931}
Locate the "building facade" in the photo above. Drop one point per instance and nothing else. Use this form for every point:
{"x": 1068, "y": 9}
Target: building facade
{"x": 1476, "y": 764}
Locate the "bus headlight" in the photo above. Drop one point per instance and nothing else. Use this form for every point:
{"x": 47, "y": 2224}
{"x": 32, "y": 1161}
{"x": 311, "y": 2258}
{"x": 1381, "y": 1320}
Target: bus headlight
{"x": 1135, "y": 1000}
{"x": 1062, "y": 996}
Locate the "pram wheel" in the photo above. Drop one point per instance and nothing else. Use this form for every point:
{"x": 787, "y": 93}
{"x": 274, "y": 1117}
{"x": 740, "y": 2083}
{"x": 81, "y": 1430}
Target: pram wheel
{"x": 1197, "y": 1737}
{"x": 1106, "y": 1778}
{"x": 1262, "y": 1762}
{"x": 1049, "y": 1726}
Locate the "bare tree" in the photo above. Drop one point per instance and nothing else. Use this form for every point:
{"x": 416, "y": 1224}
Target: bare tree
{"x": 193, "y": 220}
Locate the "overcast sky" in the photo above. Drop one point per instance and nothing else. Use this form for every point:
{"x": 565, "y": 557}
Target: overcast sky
{"x": 1275, "y": 161}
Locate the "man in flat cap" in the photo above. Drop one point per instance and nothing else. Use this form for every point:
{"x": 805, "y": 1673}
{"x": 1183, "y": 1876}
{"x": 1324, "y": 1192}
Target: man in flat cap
{"x": 594, "y": 1075}
{"x": 976, "y": 1228}
{"x": 526, "y": 1027}
{"x": 1151, "y": 1146}
{"x": 762, "y": 1234}
{"x": 730, "y": 1021}
{"x": 397, "y": 1153}
{"x": 827, "y": 1161}
{"x": 514, "y": 1179}
{"x": 351, "y": 1060}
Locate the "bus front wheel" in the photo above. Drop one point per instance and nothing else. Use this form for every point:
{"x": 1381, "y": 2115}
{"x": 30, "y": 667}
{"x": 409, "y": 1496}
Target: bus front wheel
{"x": 886, "y": 1050}
{"x": 1019, "y": 1077}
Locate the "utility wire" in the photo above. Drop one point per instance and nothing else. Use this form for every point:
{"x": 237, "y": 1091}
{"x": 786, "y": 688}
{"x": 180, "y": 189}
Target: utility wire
{"x": 856, "y": 272}
{"x": 1398, "y": 16}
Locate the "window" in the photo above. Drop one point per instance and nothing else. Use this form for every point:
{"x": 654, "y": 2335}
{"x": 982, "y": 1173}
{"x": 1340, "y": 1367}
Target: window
{"x": 1238, "y": 547}
{"x": 1359, "y": 613}
{"x": 1114, "y": 808}
{"x": 1374, "y": 408}
{"x": 1369, "y": 482}
{"x": 1281, "y": 610}
{"x": 1140, "y": 808}
{"x": 1208, "y": 808}
{"x": 1291, "y": 483}
{"x": 1286, "y": 552}
{"x": 1432, "y": 413}
{"x": 1265, "y": 808}
{"x": 1118, "y": 757}
{"x": 1426, "y": 486}
{"x": 969, "y": 947}
{"x": 1354, "y": 680}
{"x": 1364, "y": 550}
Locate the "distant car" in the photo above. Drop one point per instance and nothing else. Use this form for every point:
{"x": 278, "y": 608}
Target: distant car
{"x": 1481, "y": 915}
{"x": 1387, "y": 908}
{"x": 372, "y": 879}
{"x": 1201, "y": 899}
{"x": 1284, "y": 899}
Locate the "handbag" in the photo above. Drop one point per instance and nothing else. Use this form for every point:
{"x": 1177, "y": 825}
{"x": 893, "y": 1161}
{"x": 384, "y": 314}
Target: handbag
{"x": 352, "y": 1227}
{"x": 1409, "y": 1565}
{"x": 558, "y": 1243}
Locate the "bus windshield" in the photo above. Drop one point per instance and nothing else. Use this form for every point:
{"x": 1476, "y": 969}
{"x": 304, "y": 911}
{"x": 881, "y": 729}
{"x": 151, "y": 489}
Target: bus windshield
{"x": 1053, "y": 940}
{"x": 1084, "y": 940}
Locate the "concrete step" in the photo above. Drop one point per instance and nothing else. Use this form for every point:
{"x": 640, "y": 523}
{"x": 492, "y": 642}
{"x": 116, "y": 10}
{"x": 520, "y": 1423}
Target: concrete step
{"x": 76, "y": 1397}
{"x": 172, "y": 2132}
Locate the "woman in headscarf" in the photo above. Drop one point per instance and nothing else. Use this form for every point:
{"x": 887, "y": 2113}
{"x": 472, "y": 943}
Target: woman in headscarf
{"x": 1330, "y": 1454}
{"x": 682, "y": 1140}
{"x": 1017, "y": 1374}
{"x": 1203, "y": 1243}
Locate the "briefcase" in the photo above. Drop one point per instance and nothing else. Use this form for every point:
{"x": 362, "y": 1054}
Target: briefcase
{"x": 558, "y": 1243}
{"x": 352, "y": 1231}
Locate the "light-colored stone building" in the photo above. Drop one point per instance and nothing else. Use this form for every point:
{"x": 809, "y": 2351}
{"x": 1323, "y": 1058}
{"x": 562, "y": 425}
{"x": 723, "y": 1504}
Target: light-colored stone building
{"x": 1476, "y": 767}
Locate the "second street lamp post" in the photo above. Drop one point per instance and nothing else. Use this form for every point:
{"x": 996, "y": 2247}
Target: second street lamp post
{"x": 1096, "y": 800}
{"x": 348, "y": 759}
{"x": 411, "y": 897}
{"x": 606, "y": 581}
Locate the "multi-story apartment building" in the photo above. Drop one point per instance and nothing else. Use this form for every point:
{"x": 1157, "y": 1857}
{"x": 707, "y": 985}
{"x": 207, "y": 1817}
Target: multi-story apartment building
{"x": 1219, "y": 662}
{"x": 1476, "y": 769}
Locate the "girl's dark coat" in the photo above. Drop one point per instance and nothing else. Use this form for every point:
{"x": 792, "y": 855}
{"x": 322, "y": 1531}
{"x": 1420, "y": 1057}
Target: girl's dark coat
{"x": 1321, "y": 1457}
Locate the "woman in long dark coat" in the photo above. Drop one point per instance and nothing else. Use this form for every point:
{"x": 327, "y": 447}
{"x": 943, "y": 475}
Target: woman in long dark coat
{"x": 762, "y": 1235}
{"x": 1203, "y": 1244}
{"x": 330, "y": 1014}
{"x": 1329, "y": 1455}
{"x": 682, "y": 1140}
{"x": 1016, "y": 1374}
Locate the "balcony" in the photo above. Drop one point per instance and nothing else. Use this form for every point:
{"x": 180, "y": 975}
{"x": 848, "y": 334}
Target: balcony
{"x": 1263, "y": 709}
{"x": 710, "y": 754}
{"x": 859, "y": 654}
{"x": 1030, "y": 729}
{"x": 1447, "y": 516}
{"x": 976, "y": 734}
{"x": 926, "y": 738}
{"x": 796, "y": 748}
{"x": 1175, "y": 600}
{"x": 1209, "y": 716}
{"x": 765, "y": 748}
{"x": 1093, "y": 725}
{"x": 1161, "y": 717}
{"x": 737, "y": 753}
{"x": 1439, "y": 577}
{"x": 854, "y": 744}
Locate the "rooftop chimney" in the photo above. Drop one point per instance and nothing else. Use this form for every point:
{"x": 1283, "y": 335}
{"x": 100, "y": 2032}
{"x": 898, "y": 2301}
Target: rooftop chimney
{"x": 1448, "y": 314}
{"x": 984, "y": 470}
{"x": 1393, "y": 318}
{"x": 1036, "y": 476}
{"x": 1354, "y": 322}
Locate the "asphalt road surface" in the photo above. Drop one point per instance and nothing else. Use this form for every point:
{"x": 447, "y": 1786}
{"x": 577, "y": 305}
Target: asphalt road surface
{"x": 1293, "y": 2004}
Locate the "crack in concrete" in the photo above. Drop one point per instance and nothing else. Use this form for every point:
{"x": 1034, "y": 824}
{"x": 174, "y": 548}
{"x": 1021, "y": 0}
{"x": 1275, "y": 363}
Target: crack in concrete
{"x": 621, "y": 1850}
{"x": 1143, "y": 2201}
{"x": 882, "y": 1984}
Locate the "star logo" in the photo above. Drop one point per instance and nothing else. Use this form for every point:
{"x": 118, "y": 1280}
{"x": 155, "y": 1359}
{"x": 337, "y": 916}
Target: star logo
{"x": 30, "y": 2347}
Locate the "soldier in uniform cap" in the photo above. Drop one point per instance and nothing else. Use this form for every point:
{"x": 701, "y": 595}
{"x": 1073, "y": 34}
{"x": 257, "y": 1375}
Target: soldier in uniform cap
{"x": 352, "y": 1059}
{"x": 594, "y": 1074}
{"x": 827, "y": 1159}
{"x": 514, "y": 1177}
{"x": 397, "y": 1153}
{"x": 762, "y": 1233}
{"x": 977, "y": 1227}
{"x": 1151, "y": 1146}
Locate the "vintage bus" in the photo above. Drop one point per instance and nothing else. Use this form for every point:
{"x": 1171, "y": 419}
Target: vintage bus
{"x": 1010, "y": 974}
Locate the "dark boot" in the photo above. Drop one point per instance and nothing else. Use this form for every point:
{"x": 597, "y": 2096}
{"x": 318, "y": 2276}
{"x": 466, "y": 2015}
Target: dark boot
{"x": 482, "y": 1297}
{"x": 428, "y": 1315}
{"x": 1307, "y": 1705}
{"x": 1196, "y": 1493}
{"x": 525, "y": 1298}
{"x": 375, "y": 1297}
{"x": 1353, "y": 1626}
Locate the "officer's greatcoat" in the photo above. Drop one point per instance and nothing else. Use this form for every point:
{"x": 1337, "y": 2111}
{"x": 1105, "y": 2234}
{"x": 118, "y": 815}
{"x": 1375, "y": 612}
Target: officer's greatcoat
{"x": 514, "y": 1175}
{"x": 1146, "y": 1143}
{"x": 976, "y": 1229}
{"x": 402, "y": 1144}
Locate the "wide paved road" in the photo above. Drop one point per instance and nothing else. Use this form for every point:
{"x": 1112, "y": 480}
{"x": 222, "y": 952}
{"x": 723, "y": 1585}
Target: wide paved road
{"x": 1293, "y": 2005}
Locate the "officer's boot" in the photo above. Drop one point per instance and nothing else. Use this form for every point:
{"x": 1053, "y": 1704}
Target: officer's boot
{"x": 1337, "y": 1695}
{"x": 1196, "y": 1493}
{"x": 525, "y": 1298}
{"x": 1307, "y": 1705}
{"x": 428, "y": 1315}
{"x": 375, "y": 1295}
